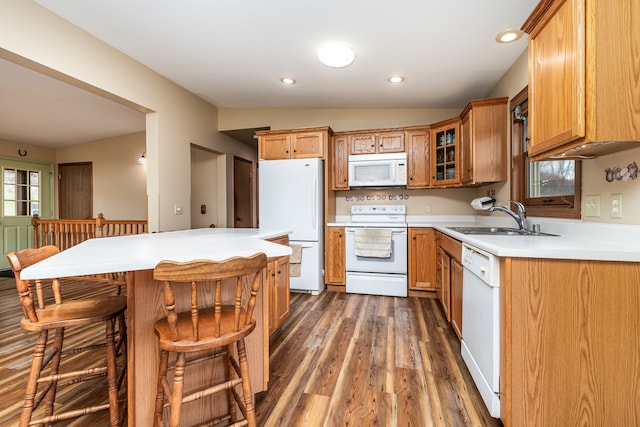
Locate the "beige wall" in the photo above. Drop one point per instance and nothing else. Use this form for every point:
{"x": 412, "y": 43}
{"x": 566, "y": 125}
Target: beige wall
{"x": 119, "y": 181}
{"x": 34, "y": 152}
{"x": 34, "y": 37}
{"x": 204, "y": 171}
{"x": 339, "y": 119}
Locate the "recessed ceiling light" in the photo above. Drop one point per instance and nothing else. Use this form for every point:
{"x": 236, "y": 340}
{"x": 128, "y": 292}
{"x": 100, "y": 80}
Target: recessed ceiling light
{"x": 509, "y": 36}
{"x": 336, "y": 54}
{"x": 395, "y": 79}
{"x": 288, "y": 81}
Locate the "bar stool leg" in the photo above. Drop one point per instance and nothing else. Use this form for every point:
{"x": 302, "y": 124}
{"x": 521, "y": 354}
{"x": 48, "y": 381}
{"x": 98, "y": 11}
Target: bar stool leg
{"x": 246, "y": 383}
{"x": 112, "y": 375}
{"x": 176, "y": 392}
{"x": 32, "y": 383}
{"x": 229, "y": 375}
{"x": 163, "y": 366}
{"x": 50, "y": 398}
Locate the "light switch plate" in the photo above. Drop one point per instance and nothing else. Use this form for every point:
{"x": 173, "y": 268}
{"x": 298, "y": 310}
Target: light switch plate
{"x": 592, "y": 206}
{"x": 616, "y": 206}
{"x": 177, "y": 209}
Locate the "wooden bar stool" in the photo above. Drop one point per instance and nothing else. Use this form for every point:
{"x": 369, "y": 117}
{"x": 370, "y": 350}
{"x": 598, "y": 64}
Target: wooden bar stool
{"x": 41, "y": 314}
{"x": 215, "y": 328}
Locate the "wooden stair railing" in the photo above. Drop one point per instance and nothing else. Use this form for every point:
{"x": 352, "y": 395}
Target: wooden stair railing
{"x": 65, "y": 233}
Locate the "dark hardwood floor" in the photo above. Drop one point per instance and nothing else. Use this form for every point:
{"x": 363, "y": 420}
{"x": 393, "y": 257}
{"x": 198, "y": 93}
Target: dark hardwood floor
{"x": 339, "y": 360}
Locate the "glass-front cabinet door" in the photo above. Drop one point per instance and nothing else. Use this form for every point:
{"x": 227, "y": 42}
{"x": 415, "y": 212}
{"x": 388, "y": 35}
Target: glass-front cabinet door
{"x": 446, "y": 153}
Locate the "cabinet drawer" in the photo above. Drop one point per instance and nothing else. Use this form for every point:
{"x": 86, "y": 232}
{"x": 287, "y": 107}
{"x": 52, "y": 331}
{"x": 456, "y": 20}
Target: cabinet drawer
{"x": 452, "y": 246}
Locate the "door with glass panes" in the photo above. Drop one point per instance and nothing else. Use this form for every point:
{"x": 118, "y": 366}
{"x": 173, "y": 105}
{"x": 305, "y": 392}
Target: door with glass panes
{"x": 26, "y": 190}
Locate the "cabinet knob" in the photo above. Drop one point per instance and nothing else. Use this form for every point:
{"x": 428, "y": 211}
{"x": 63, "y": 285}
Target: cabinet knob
{"x": 340, "y": 235}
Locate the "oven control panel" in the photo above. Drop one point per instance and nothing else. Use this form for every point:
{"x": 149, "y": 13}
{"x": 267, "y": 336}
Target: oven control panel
{"x": 378, "y": 209}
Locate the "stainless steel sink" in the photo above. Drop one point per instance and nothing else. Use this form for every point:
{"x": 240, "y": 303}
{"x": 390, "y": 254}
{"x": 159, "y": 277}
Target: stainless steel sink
{"x": 498, "y": 231}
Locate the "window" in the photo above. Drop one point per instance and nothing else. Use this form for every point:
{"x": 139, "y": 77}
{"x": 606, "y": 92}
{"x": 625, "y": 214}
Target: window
{"x": 20, "y": 192}
{"x": 548, "y": 188}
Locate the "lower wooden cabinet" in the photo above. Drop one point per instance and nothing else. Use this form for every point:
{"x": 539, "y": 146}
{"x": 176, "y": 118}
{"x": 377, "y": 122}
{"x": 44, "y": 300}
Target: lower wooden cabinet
{"x": 449, "y": 287}
{"x": 456, "y": 296}
{"x": 276, "y": 288}
{"x": 422, "y": 259}
{"x": 334, "y": 264}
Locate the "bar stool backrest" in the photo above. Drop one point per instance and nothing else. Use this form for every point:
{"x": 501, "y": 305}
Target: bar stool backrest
{"x": 199, "y": 271}
{"x": 23, "y": 259}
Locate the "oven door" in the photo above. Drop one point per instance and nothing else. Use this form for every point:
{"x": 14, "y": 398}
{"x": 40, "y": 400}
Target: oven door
{"x": 395, "y": 264}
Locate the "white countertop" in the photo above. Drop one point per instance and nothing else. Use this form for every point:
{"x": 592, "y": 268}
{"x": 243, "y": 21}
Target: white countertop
{"x": 575, "y": 240}
{"x": 144, "y": 251}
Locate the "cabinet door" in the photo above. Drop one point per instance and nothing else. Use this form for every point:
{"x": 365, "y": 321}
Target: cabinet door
{"x": 340, "y": 163}
{"x": 557, "y": 92}
{"x": 418, "y": 158}
{"x": 335, "y": 256}
{"x": 269, "y": 290}
{"x": 445, "y": 155}
{"x": 422, "y": 259}
{"x": 456, "y": 297}
{"x": 275, "y": 147}
{"x": 307, "y": 145}
{"x": 362, "y": 143}
{"x": 466, "y": 148}
{"x": 445, "y": 299}
{"x": 281, "y": 286}
{"x": 391, "y": 142}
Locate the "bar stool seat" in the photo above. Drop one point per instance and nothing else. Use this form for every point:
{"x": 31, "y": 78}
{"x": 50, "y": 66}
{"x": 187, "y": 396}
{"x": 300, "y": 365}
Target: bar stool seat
{"x": 215, "y": 328}
{"x": 43, "y": 315}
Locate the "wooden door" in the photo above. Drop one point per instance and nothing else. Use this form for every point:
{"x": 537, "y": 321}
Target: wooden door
{"x": 75, "y": 190}
{"x": 274, "y": 147}
{"x": 418, "y": 158}
{"x": 307, "y": 145}
{"x": 281, "y": 287}
{"x": 391, "y": 142}
{"x": 422, "y": 259}
{"x": 362, "y": 143}
{"x": 335, "y": 257}
{"x": 456, "y": 297}
{"x": 557, "y": 82}
{"x": 26, "y": 190}
{"x": 243, "y": 193}
{"x": 340, "y": 163}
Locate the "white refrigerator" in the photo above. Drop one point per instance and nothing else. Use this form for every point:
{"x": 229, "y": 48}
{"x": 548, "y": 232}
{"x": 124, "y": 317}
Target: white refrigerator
{"x": 291, "y": 197}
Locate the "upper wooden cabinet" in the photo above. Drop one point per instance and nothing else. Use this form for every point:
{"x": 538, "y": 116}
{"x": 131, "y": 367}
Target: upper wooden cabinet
{"x": 583, "y": 74}
{"x": 445, "y": 153}
{"x": 483, "y": 141}
{"x": 293, "y": 144}
{"x": 418, "y": 155}
{"x": 371, "y": 142}
{"x": 340, "y": 162}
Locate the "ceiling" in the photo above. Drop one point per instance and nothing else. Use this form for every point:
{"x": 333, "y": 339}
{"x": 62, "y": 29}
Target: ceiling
{"x": 233, "y": 53}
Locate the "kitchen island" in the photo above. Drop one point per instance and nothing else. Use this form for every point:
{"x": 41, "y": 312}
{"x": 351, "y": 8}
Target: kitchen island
{"x": 138, "y": 255}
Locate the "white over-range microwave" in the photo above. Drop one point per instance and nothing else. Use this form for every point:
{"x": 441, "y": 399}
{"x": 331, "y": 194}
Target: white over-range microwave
{"x": 378, "y": 170}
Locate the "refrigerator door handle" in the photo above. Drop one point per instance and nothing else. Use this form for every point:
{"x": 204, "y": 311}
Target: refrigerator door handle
{"x": 314, "y": 202}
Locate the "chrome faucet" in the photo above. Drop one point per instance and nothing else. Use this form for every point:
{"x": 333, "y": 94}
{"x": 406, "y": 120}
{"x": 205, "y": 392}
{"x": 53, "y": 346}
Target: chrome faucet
{"x": 521, "y": 217}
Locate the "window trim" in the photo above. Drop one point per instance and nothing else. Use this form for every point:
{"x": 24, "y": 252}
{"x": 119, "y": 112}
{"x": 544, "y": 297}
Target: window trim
{"x": 554, "y": 207}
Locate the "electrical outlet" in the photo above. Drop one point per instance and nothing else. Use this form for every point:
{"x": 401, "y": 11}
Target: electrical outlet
{"x": 592, "y": 206}
{"x": 427, "y": 208}
{"x": 616, "y": 206}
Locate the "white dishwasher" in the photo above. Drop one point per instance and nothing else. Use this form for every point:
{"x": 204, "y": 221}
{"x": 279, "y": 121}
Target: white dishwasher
{"x": 481, "y": 323}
